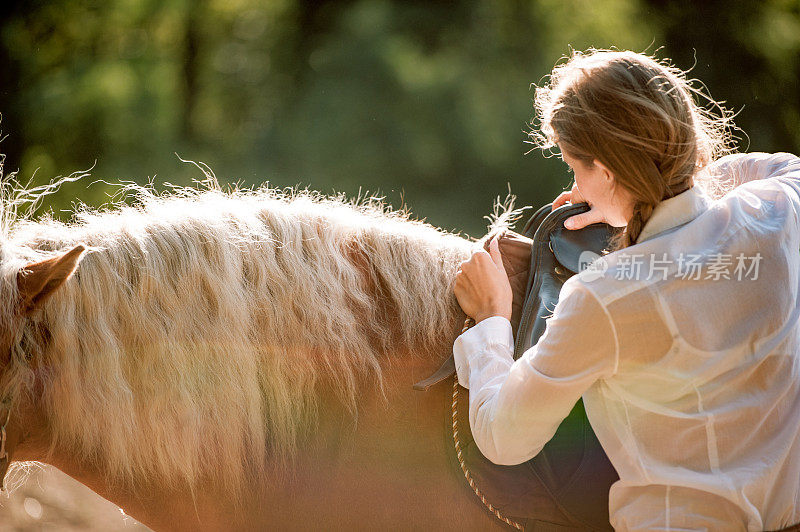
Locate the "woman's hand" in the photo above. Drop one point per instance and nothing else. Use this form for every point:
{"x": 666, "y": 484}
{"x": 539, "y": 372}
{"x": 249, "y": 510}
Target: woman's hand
{"x": 573, "y": 196}
{"x": 579, "y": 220}
{"x": 482, "y": 286}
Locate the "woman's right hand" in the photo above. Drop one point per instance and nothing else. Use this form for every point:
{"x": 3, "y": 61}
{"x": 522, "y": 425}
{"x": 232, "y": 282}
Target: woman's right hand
{"x": 579, "y": 220}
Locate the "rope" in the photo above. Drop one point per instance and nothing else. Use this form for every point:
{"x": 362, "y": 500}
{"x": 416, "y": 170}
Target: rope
{"x": 467, "y": 324}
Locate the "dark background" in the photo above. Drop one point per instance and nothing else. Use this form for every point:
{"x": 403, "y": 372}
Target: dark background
{"x": 424, "y": 102}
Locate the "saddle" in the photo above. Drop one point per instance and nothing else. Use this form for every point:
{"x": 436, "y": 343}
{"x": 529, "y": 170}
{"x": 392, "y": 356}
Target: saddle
{"x": 565, "y": 486}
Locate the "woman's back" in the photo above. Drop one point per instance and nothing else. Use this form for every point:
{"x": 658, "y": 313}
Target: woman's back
{"x": 702, "y": 415}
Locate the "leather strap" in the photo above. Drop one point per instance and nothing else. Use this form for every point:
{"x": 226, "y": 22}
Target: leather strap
{"x": 445, "y": 371}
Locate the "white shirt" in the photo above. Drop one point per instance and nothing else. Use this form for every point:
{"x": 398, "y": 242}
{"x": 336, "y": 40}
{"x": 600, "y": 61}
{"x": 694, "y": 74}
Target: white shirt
{"x": 691, "y": 380}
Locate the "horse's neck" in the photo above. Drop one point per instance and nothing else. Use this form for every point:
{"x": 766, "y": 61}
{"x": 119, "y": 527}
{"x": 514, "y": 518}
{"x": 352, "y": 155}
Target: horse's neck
{"x": 392, "y": 465}
{"x": 397, "y": 444}
{"x": 394, "y": 455}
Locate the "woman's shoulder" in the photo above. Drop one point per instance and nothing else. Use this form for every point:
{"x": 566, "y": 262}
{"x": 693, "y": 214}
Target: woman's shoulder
{"x": 759, "y": 183}
{"x": 736, "y": 169}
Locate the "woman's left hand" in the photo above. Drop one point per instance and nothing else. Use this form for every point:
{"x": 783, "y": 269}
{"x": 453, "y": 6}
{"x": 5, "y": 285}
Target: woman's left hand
{"x": 482, "y": 286}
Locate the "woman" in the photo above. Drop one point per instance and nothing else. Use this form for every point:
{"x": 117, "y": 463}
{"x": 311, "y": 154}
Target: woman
{"x": 685, "y": 349}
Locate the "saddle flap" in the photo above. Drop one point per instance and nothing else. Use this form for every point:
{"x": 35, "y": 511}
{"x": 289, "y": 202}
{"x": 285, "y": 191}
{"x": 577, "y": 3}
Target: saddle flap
{"x": 575, "y": 249}
{"x": 557, "y": 254}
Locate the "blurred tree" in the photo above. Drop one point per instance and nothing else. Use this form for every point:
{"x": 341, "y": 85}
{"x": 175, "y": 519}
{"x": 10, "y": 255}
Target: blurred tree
{"x": 427, "y": 102}
{"x": 9, "y": 87}
{"x": 748, "y": 54}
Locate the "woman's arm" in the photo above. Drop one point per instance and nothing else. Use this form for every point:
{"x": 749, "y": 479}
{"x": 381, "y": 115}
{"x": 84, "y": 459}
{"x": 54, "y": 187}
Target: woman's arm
{"x": 516, "y": 406}
{"x": 741, "y": 168}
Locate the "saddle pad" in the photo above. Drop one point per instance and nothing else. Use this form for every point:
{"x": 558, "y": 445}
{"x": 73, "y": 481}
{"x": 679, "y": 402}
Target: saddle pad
{"x": 515, "y": 251}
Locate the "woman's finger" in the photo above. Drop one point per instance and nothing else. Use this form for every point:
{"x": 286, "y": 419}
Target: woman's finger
{"x": 582, "y": 220}
{"x": 575, "y": 195}
{"x": 494, "y": 252}
{"x": 561, "y": 199}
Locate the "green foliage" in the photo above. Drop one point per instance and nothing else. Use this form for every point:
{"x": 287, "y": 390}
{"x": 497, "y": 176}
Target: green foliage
{"x": 427, "y": 103}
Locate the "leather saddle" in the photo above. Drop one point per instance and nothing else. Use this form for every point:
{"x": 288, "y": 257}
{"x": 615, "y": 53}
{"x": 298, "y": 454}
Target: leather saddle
{"x": 565, "y": 486}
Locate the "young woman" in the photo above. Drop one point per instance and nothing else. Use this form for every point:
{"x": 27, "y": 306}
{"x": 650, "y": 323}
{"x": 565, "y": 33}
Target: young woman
{"x": 686, "y": 350}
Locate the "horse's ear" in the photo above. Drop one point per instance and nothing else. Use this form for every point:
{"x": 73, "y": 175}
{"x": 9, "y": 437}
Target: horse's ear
{"x": 39, "y": 280}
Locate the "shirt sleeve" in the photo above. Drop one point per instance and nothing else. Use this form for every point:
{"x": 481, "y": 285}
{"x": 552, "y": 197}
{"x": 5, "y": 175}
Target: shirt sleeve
{"x": 742, "y": 168}
{"x": 515, "y": 407}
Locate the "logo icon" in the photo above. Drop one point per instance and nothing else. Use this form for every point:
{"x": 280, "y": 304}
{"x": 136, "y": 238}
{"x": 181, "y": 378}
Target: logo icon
{"x": 591, "y": 265}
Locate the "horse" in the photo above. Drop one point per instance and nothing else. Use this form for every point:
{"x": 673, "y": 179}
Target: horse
{"x": 237, "y": 359}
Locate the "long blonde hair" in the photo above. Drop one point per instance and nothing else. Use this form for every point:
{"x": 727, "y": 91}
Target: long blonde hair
{"x": 638, "y": 117}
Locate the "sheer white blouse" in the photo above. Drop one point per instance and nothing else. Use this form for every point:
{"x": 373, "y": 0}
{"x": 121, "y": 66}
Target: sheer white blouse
{"x": 686, "y": 350}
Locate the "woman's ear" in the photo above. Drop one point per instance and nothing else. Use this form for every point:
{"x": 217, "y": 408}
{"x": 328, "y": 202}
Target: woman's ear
{"x": 607, "y": 174}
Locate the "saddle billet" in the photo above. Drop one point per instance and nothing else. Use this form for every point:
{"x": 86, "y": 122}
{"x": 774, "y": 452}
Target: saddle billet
{"x": 572, "y": 470}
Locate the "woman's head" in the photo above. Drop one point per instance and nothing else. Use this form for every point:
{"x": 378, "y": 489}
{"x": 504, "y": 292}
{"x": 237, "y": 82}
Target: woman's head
{"x": 629, "y": 117}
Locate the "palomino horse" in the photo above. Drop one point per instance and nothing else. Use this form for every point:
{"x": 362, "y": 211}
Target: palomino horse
{"x": 238, "y": 360}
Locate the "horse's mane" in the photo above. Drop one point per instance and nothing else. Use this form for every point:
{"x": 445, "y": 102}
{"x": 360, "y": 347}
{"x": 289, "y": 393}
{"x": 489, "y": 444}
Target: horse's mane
{"x": 192, "y": 340}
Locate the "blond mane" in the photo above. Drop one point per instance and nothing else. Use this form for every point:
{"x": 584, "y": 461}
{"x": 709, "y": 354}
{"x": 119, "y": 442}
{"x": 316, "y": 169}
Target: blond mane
{"x": 192, "y": 341}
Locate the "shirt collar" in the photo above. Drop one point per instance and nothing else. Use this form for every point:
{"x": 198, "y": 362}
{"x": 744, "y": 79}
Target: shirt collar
{"x": 677, "y": 210}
